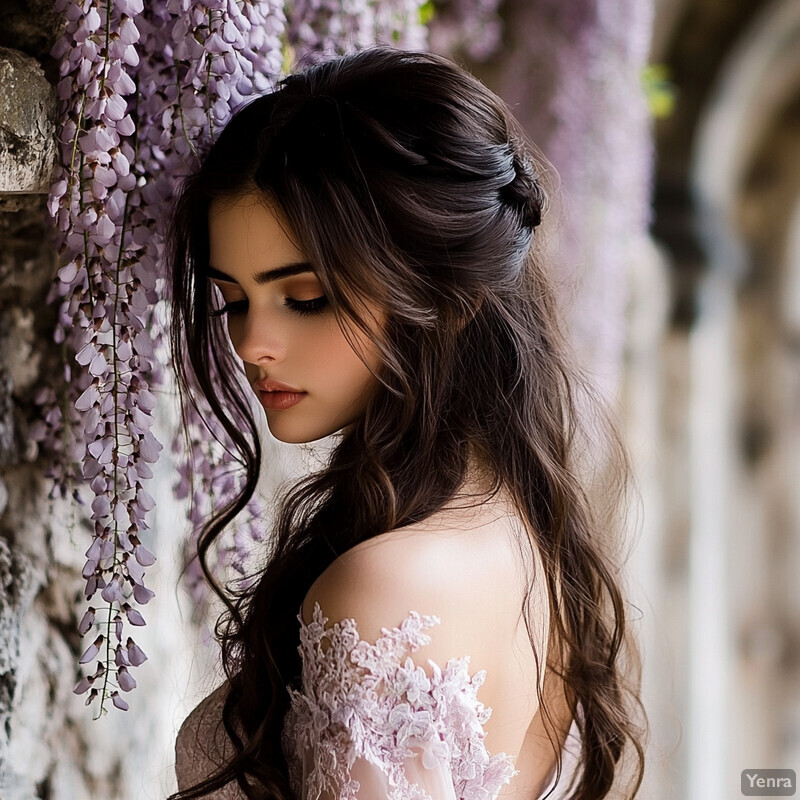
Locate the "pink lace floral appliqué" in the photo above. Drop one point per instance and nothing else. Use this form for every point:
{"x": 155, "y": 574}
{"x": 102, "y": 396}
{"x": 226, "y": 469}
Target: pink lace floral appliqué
{"x": 363, "y": 701}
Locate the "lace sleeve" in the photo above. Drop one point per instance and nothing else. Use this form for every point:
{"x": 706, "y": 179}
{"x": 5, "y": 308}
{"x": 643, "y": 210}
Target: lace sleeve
{"x": 367, "y": 723}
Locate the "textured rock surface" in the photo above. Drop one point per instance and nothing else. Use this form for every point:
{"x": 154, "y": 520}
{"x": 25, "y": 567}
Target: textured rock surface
{"x": 30, "y": 26}
{"x": 18, "y": 585}
{"x": 27, "y": 124}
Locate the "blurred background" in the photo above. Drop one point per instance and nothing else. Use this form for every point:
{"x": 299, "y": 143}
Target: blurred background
{"x": 674, "y": 127}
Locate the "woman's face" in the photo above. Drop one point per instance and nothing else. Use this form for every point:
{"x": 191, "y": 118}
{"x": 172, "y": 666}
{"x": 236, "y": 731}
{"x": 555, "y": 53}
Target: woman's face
{"x": 281, "y": 325}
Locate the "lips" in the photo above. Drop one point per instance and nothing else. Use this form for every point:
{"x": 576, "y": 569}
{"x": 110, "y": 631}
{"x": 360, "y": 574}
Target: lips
{"x": 276, "y": 395}
{"x": 275, "y": 386}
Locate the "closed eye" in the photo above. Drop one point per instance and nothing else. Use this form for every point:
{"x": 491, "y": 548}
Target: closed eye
{"x": 305, "y": 307}
{"x": 231, "y": 309}
{"x": 312, "y": 306}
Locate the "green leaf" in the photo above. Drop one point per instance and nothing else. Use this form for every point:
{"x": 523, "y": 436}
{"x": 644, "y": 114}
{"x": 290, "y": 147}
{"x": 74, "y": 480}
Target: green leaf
{"x": 427, "y": 11}
{"x": 288, "y": 58}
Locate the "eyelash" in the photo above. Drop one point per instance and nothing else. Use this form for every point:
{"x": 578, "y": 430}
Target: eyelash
{"x": 304, "y": 307}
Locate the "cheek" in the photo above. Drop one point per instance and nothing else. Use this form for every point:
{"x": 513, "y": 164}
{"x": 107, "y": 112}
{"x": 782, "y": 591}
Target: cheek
{"x": 341, "y": 363}
{"x": 355, "y": 372}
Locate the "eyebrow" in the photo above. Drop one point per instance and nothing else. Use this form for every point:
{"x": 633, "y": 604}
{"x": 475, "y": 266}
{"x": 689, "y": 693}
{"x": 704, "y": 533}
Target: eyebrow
{"x": 286, "y": 271}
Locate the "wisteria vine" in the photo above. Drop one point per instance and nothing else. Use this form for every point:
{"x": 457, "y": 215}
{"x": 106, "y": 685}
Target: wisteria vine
{"x": 145, "y": 85}
{"x": 105, "y": 289}
{"x": 205, "y": 59}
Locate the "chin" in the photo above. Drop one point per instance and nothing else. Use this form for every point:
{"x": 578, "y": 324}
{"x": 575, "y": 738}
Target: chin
{"x": 289, "y": 436}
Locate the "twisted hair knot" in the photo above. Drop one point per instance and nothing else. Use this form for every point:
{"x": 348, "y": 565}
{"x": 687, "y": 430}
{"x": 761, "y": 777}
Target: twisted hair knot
{"x": 524, "y": 193}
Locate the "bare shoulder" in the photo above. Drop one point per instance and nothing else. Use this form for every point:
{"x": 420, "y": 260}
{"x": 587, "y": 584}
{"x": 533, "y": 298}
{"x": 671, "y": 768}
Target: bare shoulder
{"x": 465, "y": 574}
{"x": 395, "y": 566}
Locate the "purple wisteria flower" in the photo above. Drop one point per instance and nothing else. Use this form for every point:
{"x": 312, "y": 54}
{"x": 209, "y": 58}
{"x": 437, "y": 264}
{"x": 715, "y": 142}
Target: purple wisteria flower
{"x": 142, "y": 94}
{"x": 211, "y": 473}
{"x": 472, "y": 26}
{"x": 143, "y": 91}
{"x": 319, "y": 29}
{"x": 105, "y": 290}
{"x": 206, "y": 59}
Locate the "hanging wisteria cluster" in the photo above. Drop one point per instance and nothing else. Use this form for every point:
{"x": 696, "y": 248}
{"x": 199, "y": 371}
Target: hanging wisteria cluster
{"x": 145, "y": 85}
{"x": 142, "y": 92}
{"x": 318, "y": 28}
{"x": 105, "y": 289}
{"x": 204, "y": 60}
{"x": 209, "y": 474}
{"x": 471, "y": 26}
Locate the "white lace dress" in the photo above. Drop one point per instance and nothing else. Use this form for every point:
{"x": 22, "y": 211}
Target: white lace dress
{"x": 366, "y": 723}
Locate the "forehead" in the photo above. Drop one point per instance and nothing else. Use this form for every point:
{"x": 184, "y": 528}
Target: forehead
{"x": 249, "y": 231}
{"x": 245, "y": 211}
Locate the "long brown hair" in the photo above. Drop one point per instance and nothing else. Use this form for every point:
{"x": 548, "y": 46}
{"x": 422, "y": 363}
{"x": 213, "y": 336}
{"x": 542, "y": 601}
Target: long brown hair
{"x": 410, "y": 184}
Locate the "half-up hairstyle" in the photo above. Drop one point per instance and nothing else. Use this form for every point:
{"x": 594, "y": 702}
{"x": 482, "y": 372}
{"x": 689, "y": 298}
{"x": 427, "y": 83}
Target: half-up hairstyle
{"x": 410, "y": 185}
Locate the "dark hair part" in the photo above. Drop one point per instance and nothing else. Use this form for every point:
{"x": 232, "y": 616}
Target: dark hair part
{"x": 409, "y": 184}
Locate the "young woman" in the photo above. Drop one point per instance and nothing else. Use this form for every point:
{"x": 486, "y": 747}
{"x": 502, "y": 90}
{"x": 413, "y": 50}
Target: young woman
{"x": 362, "y": 242}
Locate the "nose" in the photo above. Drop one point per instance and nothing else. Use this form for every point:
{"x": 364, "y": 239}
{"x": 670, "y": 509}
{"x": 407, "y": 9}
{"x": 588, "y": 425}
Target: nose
{"x": 255, "y": 341}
